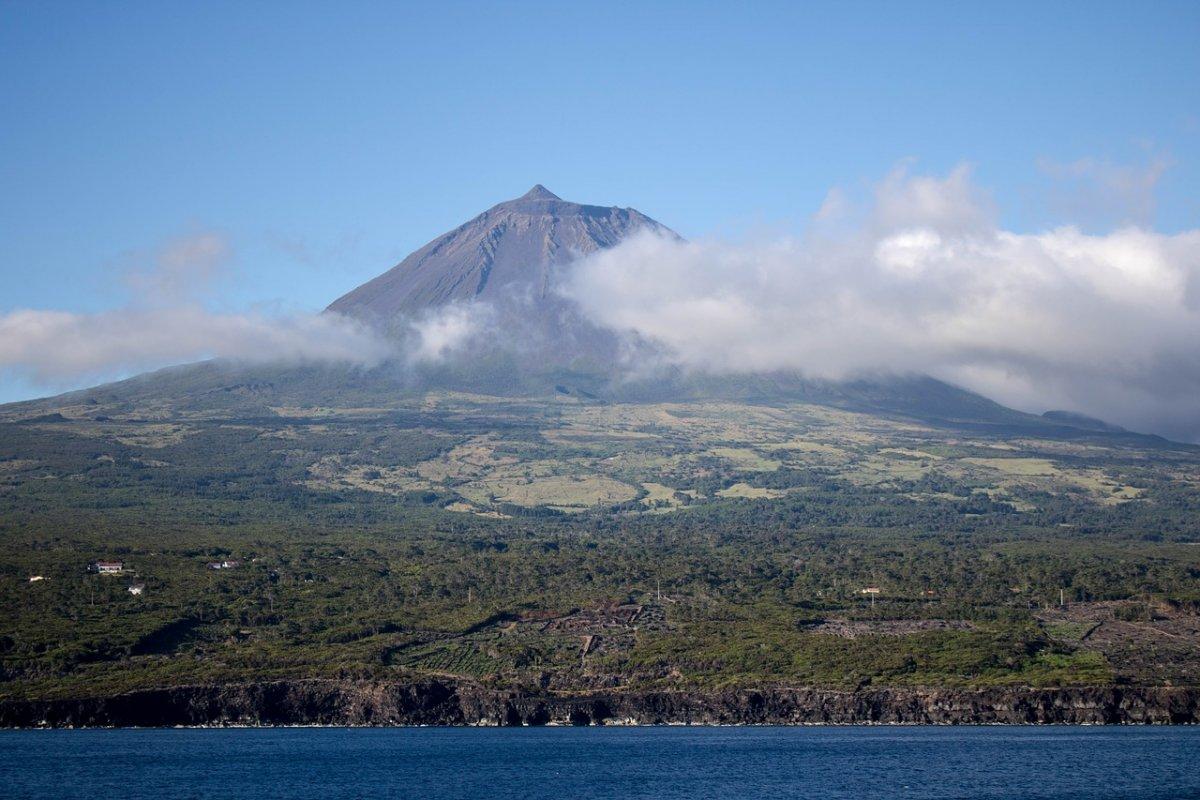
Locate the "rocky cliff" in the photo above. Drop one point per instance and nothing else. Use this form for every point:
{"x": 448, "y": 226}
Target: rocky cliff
{"x": 437, "y": 702}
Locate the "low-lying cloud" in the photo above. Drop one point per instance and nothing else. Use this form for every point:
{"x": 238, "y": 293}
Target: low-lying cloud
{"x": 165, "y": 323}
{"x": 924, "y": 280}
{"x": 60, "y": 348}
{"x": 448, "y": 331}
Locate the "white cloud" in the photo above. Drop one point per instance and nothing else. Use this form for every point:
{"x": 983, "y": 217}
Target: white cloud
{"x": 950, "y": 204}
{"x": 1104, "y": 324}
{"x": 164, "y": 324}
{"x": 58, "y": 348}
{"x": 448, "y": 331}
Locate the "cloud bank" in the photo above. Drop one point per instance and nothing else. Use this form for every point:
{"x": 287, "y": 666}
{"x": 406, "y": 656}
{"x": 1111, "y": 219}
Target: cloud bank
{"x": 923, "y": 279}
{"x": 165, "y": 323}
{"x": 58, "y": 347}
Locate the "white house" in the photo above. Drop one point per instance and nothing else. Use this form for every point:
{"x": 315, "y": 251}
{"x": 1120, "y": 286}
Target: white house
{"x": 109, "y": 567}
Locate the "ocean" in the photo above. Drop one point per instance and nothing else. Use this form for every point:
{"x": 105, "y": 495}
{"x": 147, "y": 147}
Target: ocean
{"x": 671, "y": 762}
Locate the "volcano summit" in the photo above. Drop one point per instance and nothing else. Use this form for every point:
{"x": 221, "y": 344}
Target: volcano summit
{"x": 517, "y": 246}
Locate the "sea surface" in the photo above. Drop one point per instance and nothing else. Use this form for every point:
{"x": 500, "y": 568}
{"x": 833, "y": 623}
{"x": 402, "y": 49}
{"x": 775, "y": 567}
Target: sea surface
{"x": 692, "y": 763}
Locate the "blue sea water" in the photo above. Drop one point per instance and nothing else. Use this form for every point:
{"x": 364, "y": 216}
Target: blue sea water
{"x": 692, "y": 763}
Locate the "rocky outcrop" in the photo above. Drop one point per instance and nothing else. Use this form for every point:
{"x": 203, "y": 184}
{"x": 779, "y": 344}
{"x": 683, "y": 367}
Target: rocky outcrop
{"x": 440, "y": 702}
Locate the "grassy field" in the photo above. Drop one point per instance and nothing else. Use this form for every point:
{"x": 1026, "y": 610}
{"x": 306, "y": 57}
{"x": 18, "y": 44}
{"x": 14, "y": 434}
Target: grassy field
{"x": 581, "y": 456}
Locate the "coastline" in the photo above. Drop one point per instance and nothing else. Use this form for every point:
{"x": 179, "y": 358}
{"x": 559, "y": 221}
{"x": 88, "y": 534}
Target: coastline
{"x": 436, "y": 702}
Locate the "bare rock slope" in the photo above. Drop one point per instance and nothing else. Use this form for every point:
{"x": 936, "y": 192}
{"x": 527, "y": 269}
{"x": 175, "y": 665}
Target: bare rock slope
{"x": 515, "y": 246}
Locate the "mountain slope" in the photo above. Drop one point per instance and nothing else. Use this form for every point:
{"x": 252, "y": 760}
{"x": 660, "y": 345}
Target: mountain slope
{"x": 538, "y": 343}
{"x": 543, "y": 522}
{"x": 515, "y": 245}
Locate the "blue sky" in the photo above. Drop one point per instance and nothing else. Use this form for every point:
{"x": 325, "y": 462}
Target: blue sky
{"x": 326, "y": 141}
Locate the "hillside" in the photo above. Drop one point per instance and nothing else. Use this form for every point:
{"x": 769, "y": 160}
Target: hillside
{"x": 501, "y": 528}
{"x": 561, "y": 544}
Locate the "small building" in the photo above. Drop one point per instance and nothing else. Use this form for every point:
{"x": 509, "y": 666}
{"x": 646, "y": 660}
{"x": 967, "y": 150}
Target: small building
{"x": 872, "y": 590}
{"x": 108, "y": 567}
{"x": 36, "y": 578}
{"x": 228, "y": 563}
{"x": 137, "y": 588}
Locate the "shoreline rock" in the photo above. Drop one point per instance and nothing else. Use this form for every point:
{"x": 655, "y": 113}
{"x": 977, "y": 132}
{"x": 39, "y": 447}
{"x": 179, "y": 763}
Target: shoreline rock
{"x": 445, "y": 702}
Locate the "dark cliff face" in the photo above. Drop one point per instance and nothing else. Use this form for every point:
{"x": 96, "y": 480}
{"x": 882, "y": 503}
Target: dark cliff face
{"x": 435, "y": 702}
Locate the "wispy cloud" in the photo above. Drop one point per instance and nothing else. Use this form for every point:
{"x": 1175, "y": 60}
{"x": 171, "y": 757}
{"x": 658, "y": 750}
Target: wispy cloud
{"x": 165, "y": 323}
{"x": 928, "y": 282}
{"x": 451, "y": 330}
{"x": 1101, "y": 193}
{"x": 179, "y": 270}
{"x": 59, "y": 348}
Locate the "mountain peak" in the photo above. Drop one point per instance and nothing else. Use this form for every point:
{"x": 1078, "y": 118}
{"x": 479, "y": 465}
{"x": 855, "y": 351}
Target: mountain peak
{"x": 539, "y": 192}
{"x": 518, "y": 245}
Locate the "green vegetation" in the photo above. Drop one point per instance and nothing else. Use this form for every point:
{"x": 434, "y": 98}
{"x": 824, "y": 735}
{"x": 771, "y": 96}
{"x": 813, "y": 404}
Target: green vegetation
{"x": 575, "y": 545}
